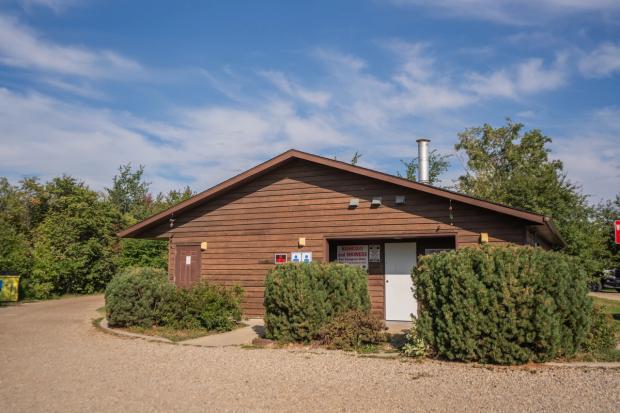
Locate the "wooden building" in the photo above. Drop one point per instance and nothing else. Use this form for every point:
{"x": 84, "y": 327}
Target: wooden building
{"x": 299, "y": 206}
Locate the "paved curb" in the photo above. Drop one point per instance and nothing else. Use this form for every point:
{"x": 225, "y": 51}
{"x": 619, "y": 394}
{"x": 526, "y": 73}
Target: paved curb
{"x": 103, "y": 325}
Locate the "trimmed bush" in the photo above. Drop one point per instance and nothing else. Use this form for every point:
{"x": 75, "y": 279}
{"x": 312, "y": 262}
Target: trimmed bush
{"x": 144, "y": 297}
{"x": 506, "y": 305}
{"x": 134, "y": 296}
{"x": 205, "y": 305}
{"x": 301, "y": 298}
{"x": 353, "y": 330}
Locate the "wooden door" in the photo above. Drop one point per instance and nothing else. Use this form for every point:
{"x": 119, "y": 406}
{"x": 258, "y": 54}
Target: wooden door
{"x": 400, "y": 258}
{"x": 187, "y": 268}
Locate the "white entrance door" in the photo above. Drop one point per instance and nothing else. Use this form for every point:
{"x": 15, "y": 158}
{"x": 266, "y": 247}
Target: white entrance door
{"x": 400, "y": 258}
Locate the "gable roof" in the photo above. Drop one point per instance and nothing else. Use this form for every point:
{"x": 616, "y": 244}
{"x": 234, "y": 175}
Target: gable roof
{"x": 273, "y": 163}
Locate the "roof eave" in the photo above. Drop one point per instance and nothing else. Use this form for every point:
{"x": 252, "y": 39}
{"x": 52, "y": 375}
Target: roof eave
{"x": 264, "y": 167}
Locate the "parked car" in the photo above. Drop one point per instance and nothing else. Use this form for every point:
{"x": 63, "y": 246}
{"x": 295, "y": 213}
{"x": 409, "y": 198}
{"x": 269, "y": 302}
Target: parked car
{"x": 611, "y": 279}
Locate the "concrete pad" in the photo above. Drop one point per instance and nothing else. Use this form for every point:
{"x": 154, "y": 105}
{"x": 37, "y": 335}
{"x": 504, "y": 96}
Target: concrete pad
{"x": 238, "y": 337}
{"x": 398, "y": 327}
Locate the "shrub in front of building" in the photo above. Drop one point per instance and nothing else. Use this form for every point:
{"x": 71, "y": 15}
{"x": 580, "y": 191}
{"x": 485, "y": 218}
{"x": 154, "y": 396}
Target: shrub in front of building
{"x": 353, "y": 330}
{"x": 505, "y": 305}
{"x": 143, "y": 297}
{"x": 205, "y": 305}
{"x": 133, "y": 297}
{"x": 301, "y": 298}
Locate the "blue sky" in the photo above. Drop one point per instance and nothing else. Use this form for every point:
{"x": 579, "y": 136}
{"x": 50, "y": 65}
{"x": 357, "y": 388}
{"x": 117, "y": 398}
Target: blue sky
{"x": 200, "y": 91}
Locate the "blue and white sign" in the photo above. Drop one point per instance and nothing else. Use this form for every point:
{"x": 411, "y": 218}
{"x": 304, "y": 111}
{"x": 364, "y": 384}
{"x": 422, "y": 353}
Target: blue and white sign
{"x": 301, "y": 257}
{"x": 296, "y": 257}
{"x": 306, "y": 257}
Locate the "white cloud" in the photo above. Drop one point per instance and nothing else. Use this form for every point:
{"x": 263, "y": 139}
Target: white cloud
{"x": 527, "y": 77}
{"x": 602, "y": 61}
{"x": 23, "y": 48}
{"x": 515, "y": 12}
{"x": 75, "y": 88}
{"x": 201, "y": 145}
{"x": 415, "y": 88}
{"x": 591, "y": 154}
{"x": 55, "y": 5}
{"x": 315, "y": 97}
{"x": 417, "y": 64}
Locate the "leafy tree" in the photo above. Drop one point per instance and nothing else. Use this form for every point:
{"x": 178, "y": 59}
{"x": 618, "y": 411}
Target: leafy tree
{"x": 512, "y": 167}
{"x": 130, "y": 195}
{"x": 145, "y": 252}
{"x": 437, "y": 165}
{"x": 607, "y": 213}
{"x": 15, "y": 254}
{"x": 129, "y": 192}
{"x": 164, "y": 201}
{"x": 73, "y": 245}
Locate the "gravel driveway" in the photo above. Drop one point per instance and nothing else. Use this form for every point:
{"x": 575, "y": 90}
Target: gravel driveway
{"x": 53, "y": 359}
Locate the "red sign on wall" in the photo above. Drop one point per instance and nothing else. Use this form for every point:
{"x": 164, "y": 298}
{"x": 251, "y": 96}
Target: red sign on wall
{"x": 617, "y": 230}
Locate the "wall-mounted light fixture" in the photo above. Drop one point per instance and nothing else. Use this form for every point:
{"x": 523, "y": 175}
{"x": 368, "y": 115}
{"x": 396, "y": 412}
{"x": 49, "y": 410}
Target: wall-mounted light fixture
{"x": 171, "y": 220}
{"x": 484, "y": 237}
{"x": 354, "y": 203}
{"x": 400, "y": 200}
{"x": 376, "y": 202}
{"x": 301, "y": 242}
{"x": 203, "y": 245}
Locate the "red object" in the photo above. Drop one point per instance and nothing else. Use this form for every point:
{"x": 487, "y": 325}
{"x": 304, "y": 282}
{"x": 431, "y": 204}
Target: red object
{"x": 280, "y": 258}
{"x": 617, "y": 230}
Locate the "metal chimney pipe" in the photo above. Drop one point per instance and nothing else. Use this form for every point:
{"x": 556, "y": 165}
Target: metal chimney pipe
{"x": 423, "y": 160}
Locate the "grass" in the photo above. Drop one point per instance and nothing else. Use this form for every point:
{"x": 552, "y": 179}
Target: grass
{"x": 175, "y": 334}
{"x": 611, "y": 307}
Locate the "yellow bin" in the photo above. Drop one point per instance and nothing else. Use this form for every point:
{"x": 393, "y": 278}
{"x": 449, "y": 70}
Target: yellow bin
{"x": 9, "y": 287}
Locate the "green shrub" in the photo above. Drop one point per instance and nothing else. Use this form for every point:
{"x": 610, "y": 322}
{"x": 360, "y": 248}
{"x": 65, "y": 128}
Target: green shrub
{"x": 134, "y": 297}
{"x": 204, "y": 305}
{"x": 506, "y": 305}
{"x": 301, "y": 298}
{"x": 353, "y": 330}
{"x": 143, "y": 297}
{"x": 601, "y": 337}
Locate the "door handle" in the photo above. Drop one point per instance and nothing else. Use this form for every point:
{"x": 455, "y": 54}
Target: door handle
{"x": 387, "y": 281}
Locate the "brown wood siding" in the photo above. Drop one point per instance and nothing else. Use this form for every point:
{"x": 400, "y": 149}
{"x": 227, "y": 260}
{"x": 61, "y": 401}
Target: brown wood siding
{"x": 245, "y": 227}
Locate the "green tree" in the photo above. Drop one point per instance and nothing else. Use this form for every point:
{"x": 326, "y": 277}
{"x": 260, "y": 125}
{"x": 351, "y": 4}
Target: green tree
{"x": 607, "y": 212}
{"x": 145, "y": 252}
{"x": 129, "y": 192}
{"x": 130, "y": 196}
{"x": 437, "y": 165}
{"x": 511, "y": 166}
{"x": 74, "y": 244}
{"x": 15, "y": 254}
